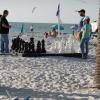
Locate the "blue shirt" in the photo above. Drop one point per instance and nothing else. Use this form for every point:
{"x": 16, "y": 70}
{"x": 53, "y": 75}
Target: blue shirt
{"x": 80, "y": 25}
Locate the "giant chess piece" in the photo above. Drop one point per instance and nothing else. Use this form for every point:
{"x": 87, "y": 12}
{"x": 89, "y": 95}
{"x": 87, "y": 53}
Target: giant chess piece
{"x": 22, "y": 46}
{"x": 15, "y": 44}
{"x": 26, "y": 50}
{"x": 43, "y": 46}
{"x": 38, "y": 50}
{"x": 31, "y": 45}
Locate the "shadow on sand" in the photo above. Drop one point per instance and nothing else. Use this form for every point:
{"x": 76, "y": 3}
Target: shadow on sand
{"x": 45, "y": 95}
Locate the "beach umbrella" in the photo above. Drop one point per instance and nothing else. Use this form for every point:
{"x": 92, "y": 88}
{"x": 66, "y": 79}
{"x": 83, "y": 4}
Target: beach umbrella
{"x": 55, "y": 26}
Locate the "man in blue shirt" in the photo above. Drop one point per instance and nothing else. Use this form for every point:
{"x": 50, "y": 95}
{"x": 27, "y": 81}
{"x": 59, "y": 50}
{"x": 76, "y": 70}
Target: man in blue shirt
{"x": 82, "y": 15}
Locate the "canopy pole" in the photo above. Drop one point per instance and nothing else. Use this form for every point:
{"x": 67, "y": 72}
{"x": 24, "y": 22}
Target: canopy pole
{"x": 58, "y": 26}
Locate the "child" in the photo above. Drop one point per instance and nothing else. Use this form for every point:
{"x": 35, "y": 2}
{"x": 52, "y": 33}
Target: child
{"x": 87, "y": 29}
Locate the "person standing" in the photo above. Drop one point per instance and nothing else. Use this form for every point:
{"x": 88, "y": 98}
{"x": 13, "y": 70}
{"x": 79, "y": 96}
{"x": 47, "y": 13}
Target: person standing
{"x": 87, "y": 29}
{"x": 82, "y": 15}
{"x": 5, "y": 32}
{"x": 80, "y": 25}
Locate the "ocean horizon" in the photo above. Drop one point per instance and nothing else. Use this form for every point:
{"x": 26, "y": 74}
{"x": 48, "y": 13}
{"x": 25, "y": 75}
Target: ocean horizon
{"x": 38, "y": 27}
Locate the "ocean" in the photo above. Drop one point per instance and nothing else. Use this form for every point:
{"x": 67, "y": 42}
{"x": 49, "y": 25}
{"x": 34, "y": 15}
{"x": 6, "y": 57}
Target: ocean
{"x": 39, "y": 28}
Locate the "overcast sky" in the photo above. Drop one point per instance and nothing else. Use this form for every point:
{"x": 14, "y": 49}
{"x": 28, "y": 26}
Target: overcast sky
{"x": 21, "y": 10}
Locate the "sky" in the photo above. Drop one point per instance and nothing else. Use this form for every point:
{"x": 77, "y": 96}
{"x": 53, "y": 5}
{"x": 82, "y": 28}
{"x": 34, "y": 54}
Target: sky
{"x": 45, "y": 12}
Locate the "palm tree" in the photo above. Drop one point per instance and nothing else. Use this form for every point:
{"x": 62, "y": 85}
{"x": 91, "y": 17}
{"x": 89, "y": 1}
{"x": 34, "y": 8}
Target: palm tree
{"x": 97, "y": 70}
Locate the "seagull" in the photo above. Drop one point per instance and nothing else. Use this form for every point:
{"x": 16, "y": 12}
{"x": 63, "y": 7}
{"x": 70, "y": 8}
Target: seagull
{"x": 33, "y": 9}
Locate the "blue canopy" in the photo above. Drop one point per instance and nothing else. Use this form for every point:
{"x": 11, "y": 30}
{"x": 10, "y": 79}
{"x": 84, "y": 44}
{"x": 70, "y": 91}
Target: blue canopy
{"x": 55, "y": 26}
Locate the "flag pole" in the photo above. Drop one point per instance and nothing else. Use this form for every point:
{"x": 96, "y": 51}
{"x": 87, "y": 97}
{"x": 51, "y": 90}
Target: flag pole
{"x": 58, "y": 26}
{"x": 58, "y": 15}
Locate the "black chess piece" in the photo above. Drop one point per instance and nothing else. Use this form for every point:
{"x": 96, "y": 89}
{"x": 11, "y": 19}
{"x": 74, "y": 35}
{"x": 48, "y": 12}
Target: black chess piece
{"x": 38, "y": 50}
{"x": 20, "y": 43}
{"x": 31, "y": 45}
{"x": 26, "y": 50}
{"x": 15, "y": 44}
{"x": 43, "y": 50}
{"x": 32, "y": 40}
{"x": 22, "y": 46}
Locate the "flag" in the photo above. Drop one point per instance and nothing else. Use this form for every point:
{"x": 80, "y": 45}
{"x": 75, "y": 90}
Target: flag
{"x": 58, "y": 10}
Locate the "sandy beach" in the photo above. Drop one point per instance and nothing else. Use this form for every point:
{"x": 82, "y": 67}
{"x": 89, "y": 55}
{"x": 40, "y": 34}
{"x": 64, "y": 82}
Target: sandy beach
{"x": 58, "y": 33}
{"x": 48, "y": 78}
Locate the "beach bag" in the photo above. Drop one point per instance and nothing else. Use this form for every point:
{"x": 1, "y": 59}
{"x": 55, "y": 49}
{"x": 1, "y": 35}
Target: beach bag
{"x": 79, "y": 35}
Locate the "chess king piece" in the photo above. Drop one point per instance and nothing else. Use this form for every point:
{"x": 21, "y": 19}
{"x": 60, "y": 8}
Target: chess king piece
{"x": 43, "y": 50}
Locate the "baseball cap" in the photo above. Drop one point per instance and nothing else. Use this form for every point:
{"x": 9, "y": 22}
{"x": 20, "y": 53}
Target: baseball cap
{"x": 82, "y": 10}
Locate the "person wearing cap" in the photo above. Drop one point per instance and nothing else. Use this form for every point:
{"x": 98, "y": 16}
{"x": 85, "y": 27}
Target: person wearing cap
{"x": 82, "y": 15}
{"x": 87, "y": 29}
{"x": 4, "y": 32}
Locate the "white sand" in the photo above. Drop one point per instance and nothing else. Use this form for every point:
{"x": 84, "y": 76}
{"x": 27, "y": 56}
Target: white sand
{"x": 48, "y": 78}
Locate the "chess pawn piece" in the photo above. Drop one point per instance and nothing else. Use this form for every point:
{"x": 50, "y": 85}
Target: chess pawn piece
{"x": 32, "y": 40}
{"x": 43, "y": 46}
{"x": 38, "y": 50}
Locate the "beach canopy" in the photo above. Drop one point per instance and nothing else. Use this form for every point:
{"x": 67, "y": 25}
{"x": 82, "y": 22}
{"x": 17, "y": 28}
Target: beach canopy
{"x": 94, "y": 26}
{"x": 55, "y": 26}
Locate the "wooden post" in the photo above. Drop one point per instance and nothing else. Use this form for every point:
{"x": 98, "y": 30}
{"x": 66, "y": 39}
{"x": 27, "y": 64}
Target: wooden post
{"x": 97, "y": 70}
